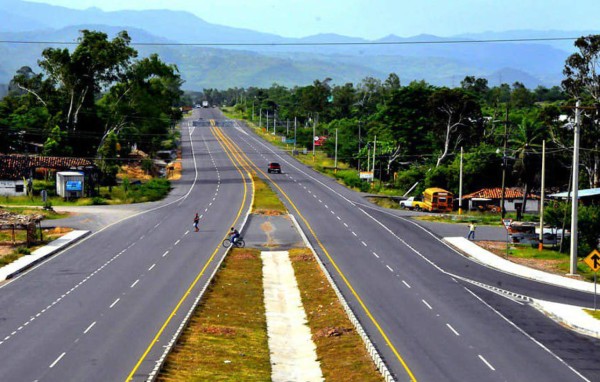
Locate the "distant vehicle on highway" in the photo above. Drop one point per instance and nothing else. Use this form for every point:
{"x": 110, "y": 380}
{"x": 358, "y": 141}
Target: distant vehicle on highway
{"x": 274, "y": 167}
{"x": 204, "y": 103}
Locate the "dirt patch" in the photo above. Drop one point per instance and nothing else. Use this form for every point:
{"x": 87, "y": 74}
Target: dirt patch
{"x": 133, "y": 172}
{"x": 268, "y": 212}
{"x": 498, "y": 248}
{"x": 331, "y": 332}
{"x": 218, "y": 330}
{"x": 243, "y": 255}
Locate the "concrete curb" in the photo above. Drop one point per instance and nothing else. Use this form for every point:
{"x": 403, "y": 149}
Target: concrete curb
{"x": 28, "y": 261}
{"x": 544, "y": 307}
{"x": 487, "y": 258}
{"x": 371, "y": 349}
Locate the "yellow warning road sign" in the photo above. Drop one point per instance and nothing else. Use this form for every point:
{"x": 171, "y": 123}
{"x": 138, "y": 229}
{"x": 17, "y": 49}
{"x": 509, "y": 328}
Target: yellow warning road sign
{"x": 593, "y": 260}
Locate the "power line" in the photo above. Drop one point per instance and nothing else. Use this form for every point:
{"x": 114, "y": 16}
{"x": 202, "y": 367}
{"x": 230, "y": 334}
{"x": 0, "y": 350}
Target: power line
{"x": 373, "y": 43}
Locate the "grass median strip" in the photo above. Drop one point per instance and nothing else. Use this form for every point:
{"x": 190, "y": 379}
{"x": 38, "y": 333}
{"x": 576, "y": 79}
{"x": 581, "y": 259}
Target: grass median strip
{"x": 340, "y": 349}
{"x": 226, "y": 339}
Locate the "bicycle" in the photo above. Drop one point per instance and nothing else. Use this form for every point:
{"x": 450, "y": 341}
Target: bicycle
{"x": 239, "y": 243}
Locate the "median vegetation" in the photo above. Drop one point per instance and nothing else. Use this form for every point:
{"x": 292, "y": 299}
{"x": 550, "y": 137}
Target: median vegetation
{"x": 226, "y": 339}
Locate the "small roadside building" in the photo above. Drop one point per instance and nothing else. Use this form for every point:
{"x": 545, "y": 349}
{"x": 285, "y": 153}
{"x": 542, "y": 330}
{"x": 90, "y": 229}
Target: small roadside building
{"x": 489, "y": 199}
{"x": 69, "y": 184}
{"x": 17, "y": 171}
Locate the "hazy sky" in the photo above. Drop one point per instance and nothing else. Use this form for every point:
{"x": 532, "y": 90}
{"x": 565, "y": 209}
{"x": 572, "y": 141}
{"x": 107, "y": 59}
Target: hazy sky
{"x": 373, "y": 18}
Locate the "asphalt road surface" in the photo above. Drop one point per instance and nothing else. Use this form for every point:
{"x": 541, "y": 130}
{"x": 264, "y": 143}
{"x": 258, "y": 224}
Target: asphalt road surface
{"x": 104, "y": 309}
{"x": 433, "y": 314}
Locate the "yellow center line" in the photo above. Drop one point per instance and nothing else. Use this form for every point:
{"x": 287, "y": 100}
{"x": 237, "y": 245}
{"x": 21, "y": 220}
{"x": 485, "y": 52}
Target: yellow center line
{"x": 193, "y": 284}
{"x": 339, "y": 271}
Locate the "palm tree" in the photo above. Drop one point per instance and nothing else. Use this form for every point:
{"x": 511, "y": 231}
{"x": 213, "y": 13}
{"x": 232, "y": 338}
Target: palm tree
{"x": 526, "y": 139}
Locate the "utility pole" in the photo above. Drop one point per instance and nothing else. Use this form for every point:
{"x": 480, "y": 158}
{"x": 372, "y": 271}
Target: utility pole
{"x": 504, "y": 165}
{"x": 575, "y": 200}
{"x": 267, "y": 121}
{"x": 374, "y": 150}
{"x": 295, "y": 125}
{"x": 460, "y": 183}
{"x": 287, "y": 130}
{"x": 335, "y": 161}
{"x": 252, "y": 111}
{"x": 314, "y": 132}
{"x": 358, "y": 164}
{"x": 260, "y": 118}
{"x": 543, "y": 185}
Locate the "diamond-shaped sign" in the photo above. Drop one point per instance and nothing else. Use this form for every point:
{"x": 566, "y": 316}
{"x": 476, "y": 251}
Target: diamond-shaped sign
{"x": 593, "y": 260}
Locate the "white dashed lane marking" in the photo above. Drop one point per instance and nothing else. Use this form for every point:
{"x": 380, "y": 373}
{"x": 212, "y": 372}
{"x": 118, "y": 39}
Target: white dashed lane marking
{"x": 114, "y": 303}
{"x": 376, "y": 255}
{"x": 453, "y": 330}
{"x": 486, "y": 362}
{"x": 57, "y": 360}
{"x": 390, "y": 268}
{"x": 89, "y": 327}
{"x": 354, "y": 233}
{"x": 427, "y": 305}
{"x": 152, "y": 266}
{"x": 134, "y": 283}
{"x": 405, "y": 283}
{"x": 165, "y": 254}
{"x": 177, "y": 242}
{"x": 363, "y": 243}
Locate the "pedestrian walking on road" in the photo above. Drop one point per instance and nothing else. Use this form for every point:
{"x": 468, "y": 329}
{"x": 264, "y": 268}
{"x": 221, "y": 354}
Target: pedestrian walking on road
{"x": 196, "y": 221}
{"x": 471, "y": 235}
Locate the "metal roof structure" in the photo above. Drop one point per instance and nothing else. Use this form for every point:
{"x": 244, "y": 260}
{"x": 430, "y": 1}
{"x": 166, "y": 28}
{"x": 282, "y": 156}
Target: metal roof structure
{"x": 589, "y": 192}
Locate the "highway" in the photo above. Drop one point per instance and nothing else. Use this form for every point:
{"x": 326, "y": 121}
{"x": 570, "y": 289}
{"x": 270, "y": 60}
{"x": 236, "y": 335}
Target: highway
{"x": 104, "y": 309}
{"x": 416, "y": 297}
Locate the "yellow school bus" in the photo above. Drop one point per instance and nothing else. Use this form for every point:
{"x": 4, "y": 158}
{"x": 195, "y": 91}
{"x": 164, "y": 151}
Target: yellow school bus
{"x": 437, "y": 199}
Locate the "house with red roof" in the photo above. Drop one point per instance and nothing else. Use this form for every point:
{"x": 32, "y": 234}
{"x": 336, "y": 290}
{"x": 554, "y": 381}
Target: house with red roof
{"x": 486, "y": 198}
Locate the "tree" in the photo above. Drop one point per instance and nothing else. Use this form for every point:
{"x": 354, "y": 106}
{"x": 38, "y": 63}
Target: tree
{"x": 583, "y": 81}
{"x": 80, "y": 76}
{"x": 455, "y": 112}
{"x": 527, "y": 138}
{"x": 477, "y": 86}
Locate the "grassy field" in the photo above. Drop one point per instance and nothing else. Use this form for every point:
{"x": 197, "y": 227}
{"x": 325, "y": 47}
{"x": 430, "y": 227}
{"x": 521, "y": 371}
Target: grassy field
{"x": 482, "y": 218}
{"x": 548, "y": 260}
{"x": 340, "y": 349}
{"x": 226, "y": 339}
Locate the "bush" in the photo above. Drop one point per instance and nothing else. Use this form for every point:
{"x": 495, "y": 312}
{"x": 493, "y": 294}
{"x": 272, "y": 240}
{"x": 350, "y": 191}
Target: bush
{"x": 23, "y": 251}
{"x": 588, "y": 224}
{"x": 98, "y": 201}
{"x": 352, "y": 179}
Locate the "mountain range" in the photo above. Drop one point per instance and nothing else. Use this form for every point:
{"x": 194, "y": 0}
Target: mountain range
{"x": 217, "y": 56}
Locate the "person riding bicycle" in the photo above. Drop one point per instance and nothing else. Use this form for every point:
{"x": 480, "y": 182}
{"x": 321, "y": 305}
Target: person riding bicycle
{"x": 234, "y": 234}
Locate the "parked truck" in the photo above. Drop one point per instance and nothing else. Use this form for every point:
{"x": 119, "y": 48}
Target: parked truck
{"x": 204, "y": 103}
{"x": 412, "y": 203}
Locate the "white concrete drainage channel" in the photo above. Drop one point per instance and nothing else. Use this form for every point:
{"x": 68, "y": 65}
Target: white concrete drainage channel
{"x": 293, "y": 353}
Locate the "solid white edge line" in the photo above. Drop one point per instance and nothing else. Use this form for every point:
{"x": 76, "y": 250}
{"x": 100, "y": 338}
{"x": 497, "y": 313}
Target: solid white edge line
{"x": 528, "y": 336}
{"x": 57, "y": 360}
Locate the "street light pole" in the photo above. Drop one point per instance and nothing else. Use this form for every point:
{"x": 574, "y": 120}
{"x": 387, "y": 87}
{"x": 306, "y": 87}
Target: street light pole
{"x": 504, "y": 164}
{"x": 336, "y": 143}
{"x": 542, "y": 186}
{"x": 575, "y": 199}
{"x": 374, "y": 150}
{"x": 295, "y": 124}
{"x": 460, "y": 183}
{"x": 358, "y": 164}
